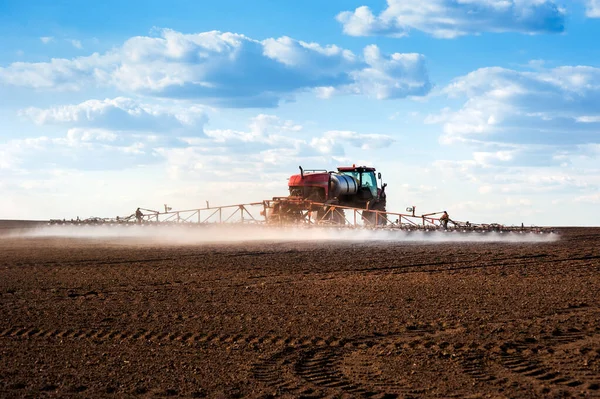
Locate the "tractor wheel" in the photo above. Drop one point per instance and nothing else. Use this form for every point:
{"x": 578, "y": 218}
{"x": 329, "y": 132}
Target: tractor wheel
{"x": 382, "y": 219}
{"x": 371, "y": 217}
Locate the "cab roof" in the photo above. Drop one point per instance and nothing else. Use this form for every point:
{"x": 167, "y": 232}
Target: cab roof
{"x": 355, "y": 169}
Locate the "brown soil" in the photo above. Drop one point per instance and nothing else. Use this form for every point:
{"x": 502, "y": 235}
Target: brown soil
{"x": 108, "y": 318}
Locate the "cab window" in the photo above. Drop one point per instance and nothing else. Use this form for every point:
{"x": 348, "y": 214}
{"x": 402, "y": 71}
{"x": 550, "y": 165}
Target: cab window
{"x": 368, "y": 180}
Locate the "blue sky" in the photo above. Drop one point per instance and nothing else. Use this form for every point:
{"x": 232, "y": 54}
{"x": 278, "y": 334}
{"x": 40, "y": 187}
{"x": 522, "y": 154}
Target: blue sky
{"x": 486, "y": 108}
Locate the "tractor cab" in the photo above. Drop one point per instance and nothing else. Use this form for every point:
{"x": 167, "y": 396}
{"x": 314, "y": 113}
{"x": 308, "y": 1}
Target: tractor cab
{"x": 367, "y": 181}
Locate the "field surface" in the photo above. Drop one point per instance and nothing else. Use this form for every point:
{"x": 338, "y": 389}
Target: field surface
{"x": 132, "y": 317}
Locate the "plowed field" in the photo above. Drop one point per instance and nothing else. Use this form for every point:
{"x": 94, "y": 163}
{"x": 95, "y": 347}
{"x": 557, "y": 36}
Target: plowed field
{"x": 106, "y": 317}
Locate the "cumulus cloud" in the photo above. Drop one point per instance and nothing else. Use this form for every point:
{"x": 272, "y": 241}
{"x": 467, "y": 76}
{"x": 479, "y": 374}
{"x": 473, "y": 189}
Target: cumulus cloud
{"x": 395, "y": 76}
{"x": 269, "y": 134}
{"x": 520, "y": 156}
{"x": 527, "y": 132}
{"x": 59, "y": 73}
{"x": 121, "y": 113}
{"x": 592, "y": 199}
{"x": 451, "y": 18}
{"x": 80, "y": 149}
{"x": 592, "y": 8}
{"x": 269, "y": 145}
{"x": 229, "y": 69}
{"x": 76, "y": 43}
{"x": 332, "y": 142}
{"x": 46, "y": 39}
{"x": 266, "y": 124}
{"x": 494, "y": 176}
{"x": 108, "y": 134}
{"x": 557, "y": 107}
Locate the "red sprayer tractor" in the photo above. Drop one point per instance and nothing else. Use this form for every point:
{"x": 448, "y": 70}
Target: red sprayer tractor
{"x": 329, "y": 194}
{"x": 350, "y": 197}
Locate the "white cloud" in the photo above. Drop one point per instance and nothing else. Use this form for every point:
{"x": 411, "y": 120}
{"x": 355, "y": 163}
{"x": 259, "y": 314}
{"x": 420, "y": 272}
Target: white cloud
{"x": 557, "y": 108}
{"x": 451, "y": 18}
{"x": 76, "y": 43}
{"x": 485, "y": 189}
{"x": 108, "y": 134}
{"x": 59, "y": 73}
{"x": 46, "y": 39}
{"x": 7, "y": 159}
{"x": 592, "y": 199}
{"x": 121, "y": 113}
{"x": 78, "y": 149}
{"x": 268, "y": 146}
{"x": 492, "y": 176}
{"x": 295, "y": 54}
{"x": 592, "y": 8}
{"x": 268, "y": 134}
{"x": 332, "y": 142}
{"x": 264, "y": 132}
{"x": 325, "y": 92}
{"x": 486, "y": 158}
{"x": 228, "y": 69}
{"x": 395, "y": 76}
{"x": 78, "y": 135}
{"x": 264, "y": 124}
{"x": 590, "y": 149}
{"x": 520, "y": 156}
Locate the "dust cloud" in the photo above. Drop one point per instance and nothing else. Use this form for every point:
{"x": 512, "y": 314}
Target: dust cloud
{"x": 206, "y": 234}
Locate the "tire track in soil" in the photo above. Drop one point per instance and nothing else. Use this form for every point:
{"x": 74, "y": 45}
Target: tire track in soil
{"x": 465, "y": 264}
{"x": 288, "y": 370}
{"x": 475, "y": 364}
{"x": 124, "y": 261}
{"x": 534, "y": 361}
{"x": 512, "y": 364}
{"x": 545, "y": 367}
{"x": 160, "y": 316}
{"x": 321, "y": 367}
{"x": 317, "y": 360}
{"x": 100, "y": 335}
{"x": 471, "y": 264}
{"x": 569, "y": 358}
{"x": 179, "y": 317}
{"x": 154, "y": 335}
{"x": 523, "y": 260}
{"x": 150, "y": 315}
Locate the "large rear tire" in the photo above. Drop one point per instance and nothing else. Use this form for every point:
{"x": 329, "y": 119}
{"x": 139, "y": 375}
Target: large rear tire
{"x": 373, "y": 219}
